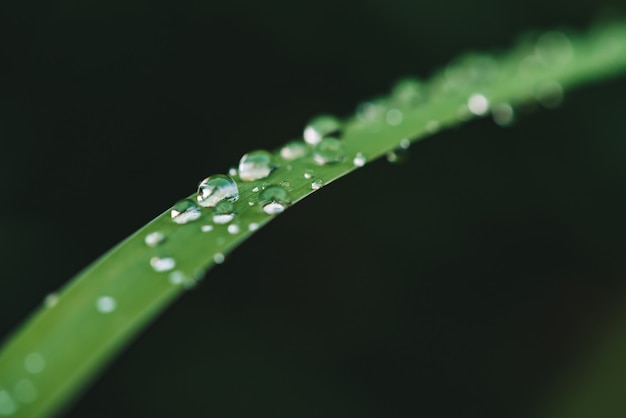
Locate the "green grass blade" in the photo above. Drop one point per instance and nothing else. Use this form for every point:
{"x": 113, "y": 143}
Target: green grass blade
{"x": 62, "y": 346}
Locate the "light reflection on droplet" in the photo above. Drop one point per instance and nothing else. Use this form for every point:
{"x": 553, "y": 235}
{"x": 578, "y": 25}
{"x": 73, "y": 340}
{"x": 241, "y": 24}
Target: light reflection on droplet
{"x": 185, "y": 211}
{"x": 218, "y": 258}
{"x": 34, "y": 363}
{"x": 106, "y": 304}
{"x": 233, "y": 229}
{"x": 255, "y": 165}
{"x": 160, "y": 264}
{"x": 253, "y": 226}
{"x": 405, "y": 144}
{"x": 51, "y": 300}
{"x": 478, "y": 104}
{"x": 154, "y": 238}
{"x": 317, "y": 184}
{"x": 215, "y": 189}
{"x": 177, "y": 277}
{"x": 359, "y": 160}
{"x": 321, "y": 127}
{"x": 394, "y": 117}
{"x": 503, "y": 114}
{"x": 294, "y": 150}
{"x": 206, "y": 228}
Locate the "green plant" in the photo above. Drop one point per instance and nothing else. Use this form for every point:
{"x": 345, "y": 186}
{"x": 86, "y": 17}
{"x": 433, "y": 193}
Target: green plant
{"x": 44, "y": 364}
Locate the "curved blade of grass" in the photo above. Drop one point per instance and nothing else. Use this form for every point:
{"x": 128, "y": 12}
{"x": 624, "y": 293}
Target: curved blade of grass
{"x": 65, "y": 343}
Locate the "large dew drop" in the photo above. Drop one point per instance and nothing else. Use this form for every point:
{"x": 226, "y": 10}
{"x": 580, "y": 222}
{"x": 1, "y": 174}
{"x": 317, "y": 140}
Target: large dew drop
{"x": 224, "y": 213}
{"x": 321, "y": 127}
{"x": 185, "y": 211}
{"x": 255, "y": 165}
{"x": 293, "y": 150}
{"x": 216, "y": 188}
{"x": 274, "y": 200}
{"x": 328, "y": 151}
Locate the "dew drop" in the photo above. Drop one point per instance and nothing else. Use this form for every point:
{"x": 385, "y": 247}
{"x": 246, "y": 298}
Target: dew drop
{"x": 321, "y": 127}
{"x": 7, "y": 404}
{"x": 478, "y": 104}
{"x": 25, "y": 391}
{"x": 554, "y": 48}
{"x": 233, "y": 229}
{"x": 224, "y": 213}
{"x": 206, "y": 228}
{"x": 185, "y": 211}
{"x": 106, "y": 304}
{"x": 359, "y": 160}
{"x": 154, "y": 238}
{"x": 371, "y": 110}
{"x": 398, "y": 156}
{"x": 51, "y": 300}
{"x": 255, "y": 165}
{"x": 160, "y": 264}
{"x": 177, "y": 277}
{"x": 329, "y": 151}
{"x": 405, "y": 144}
{"x": 409, "y": 91}
{"x": 255, "y": 189}
{"x": 34, "y": 363}
{"x": 294, "y": 150}
{"x": 253, "y": 226}
{"x": 308, "y": 174}
{"x": 218, "y": 258}
{"x": 317, "y": 184}
{"x": 232, "y": 171}
{"x": 503, "y": 114}
{"x": 285, "y": 184}
{"x": 432, "y": 126}
{"x": 550, "y": 94}
{"x": 215, "y": 189}
{"x": 275, "y": 200}
{"x": 394, "y": 117}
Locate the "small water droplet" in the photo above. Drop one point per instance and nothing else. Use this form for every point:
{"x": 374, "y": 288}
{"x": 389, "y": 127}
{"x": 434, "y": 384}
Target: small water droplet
{"x": 503, "y": 114}
{"x": 359, "y": 160}
{"x": 317, "y": 184}
{"x": 329, "y": 151}
{"x": 285, "y": 184}
{"x": 405, "y": 143}
{"x": 321, "y": 127}
{"x": 34, "y": 363}
{"x": 409, "y": 91}
{"x": 232, "y": 171}
{"x": 554, "y": 48}
{"x": 255, "y": 189}
{"x": 394, "y": 117}
{"x": 224, "y": 213}
{"x": 206, "y": 228}
{"x": 432, "y": 126}
{"x": 154, "y": 238}
{"x": 215, "y": 189}
{"x": 478, "y": 104}
{"x": 308, "y": 174}
{"x": 550, "y": 94}
{"x": 293, "y": 150}
{"x": 177, "y": 277}
{"x": 7, "y": 405}
{"x": 253, "y": 226}
{"x": 185, "y": 211}
{"x": 274, "y": 200}
{"x": 255, "y": 165}
{"x": 371, "y": 110}
{"x": 233, "y": 229}
{"x": 25, "y": 391}
{"x": 251, "y": 202}
{"x": 106, "y": 304}
{"x": 218, "y": 258}
{"x": 398, "y": 156}
{"x": 51, "y": 300}
{"x": 160, "y": 264}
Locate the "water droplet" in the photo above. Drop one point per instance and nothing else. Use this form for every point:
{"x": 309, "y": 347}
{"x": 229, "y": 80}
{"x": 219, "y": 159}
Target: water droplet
{"x": 51, "y": 300}
{"x": 554, "y": 48}
{"x": 7, "y": 404}
{"x": 34, "y": 363}
{"x": 550, "y": 94}
{"x": 503, "y": 114}
{"x": 471, "y": 69}
{"x": 394, "y": 117}
{"x": 285, "y": 184}
{"x": 328, "y": 151}
{"x": 432, "y": 126}
{"x": 398, "y": 156}
{"x": 106, "y": 304}
{"x": 215, "y": 189}
{"x": 154, "y": 238}
{"x": 408, "y": 91}
{"x": 359, "y": 160}
{"x": 206, "y": 228}
{"x": 224, "y": 213}
{"x": 25, "y": 391}
{"x": 253, "y": 226}
{"x": 317, "y": 184}
{"x": 321, "y": 127}
{"x": 185, "y": 211}
{"x": 275, "y": 200}
{"x": 255, "y": 165}
{"x": 478, "y": 104}
{"x": 233, "y": 229}
{"x": 160, "y": 264}
{"x": 255, "y": 189}
{"x": 405, "y": 143}
{"x": 251, "y": 202}
{"x": 308, "y": 174}
{"x": 371, "y": 110}
{"x": 177, "y": 277}
{"x": 294, "y": 150}
{"x": 218, "y": 258}
{"x": 232, "y": 171}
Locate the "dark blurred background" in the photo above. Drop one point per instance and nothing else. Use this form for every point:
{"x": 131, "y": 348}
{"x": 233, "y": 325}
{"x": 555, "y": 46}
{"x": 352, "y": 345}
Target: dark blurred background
{"x": 485, "y": 279}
